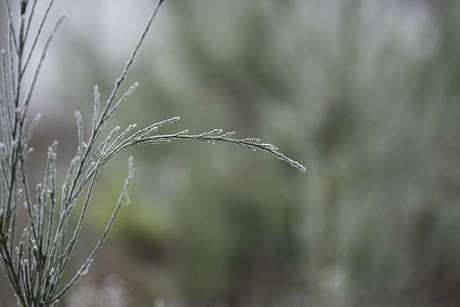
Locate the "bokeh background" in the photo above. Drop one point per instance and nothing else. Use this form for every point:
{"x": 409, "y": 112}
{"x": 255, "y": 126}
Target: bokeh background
{"x": 365, "y": 94}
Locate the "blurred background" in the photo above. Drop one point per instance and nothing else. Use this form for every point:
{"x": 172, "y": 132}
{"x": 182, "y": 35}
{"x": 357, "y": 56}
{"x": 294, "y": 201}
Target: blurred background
{"x": 365, "y": 94}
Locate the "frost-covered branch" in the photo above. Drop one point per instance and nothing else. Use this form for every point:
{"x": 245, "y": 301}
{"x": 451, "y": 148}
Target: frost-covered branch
{"x": 35, "y": 262}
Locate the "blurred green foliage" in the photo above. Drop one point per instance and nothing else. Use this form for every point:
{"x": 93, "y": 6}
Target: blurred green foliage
{"x": 364, "y": 93}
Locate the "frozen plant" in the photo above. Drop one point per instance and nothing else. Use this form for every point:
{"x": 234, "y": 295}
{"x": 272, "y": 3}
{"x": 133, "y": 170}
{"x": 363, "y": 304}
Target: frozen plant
{"x": 35, "y": 261}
